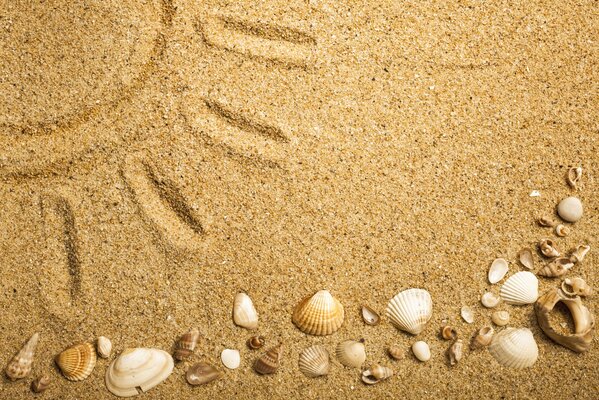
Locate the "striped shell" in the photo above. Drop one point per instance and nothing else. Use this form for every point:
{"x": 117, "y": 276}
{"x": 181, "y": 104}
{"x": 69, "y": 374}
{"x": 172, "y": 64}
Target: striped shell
{"x": 320, "y": 314}
{"x": 351, "y": 353}
{"x": 77, "y": 362}
{"x": 520, "y": 288}
{"x": 20, "y": 365}
{"x": 186, "y": 344}
{"x": 244, "y": 313}
{"x": 514, "y": 348}
{"x": 410, "y": 310}
{"x": 269, "y": 362}
{"x": 314, "y": 361}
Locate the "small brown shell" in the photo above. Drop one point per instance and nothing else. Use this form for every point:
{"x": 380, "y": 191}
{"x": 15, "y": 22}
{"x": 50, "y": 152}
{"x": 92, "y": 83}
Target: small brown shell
{"x": 576, "y": 287}
{"x": 376, "y": 373}
{"x": 20, "y": 365}
{"x": 483, "y": 338}
{"x": 201, "y": 373}
{"x": 396, "y": 353}
{"x": 186, "y": 344}
{"x": 269, "y": 362}
{"x": 546, "y": 222}
{"x": 40, "y": 384}
{"x": 557, "y": 267}
{"x": 455, "y": 352}
{"x": 448, "y": 333}
{"x": 548, "y": 249}
{"x": 370, "y": 316}
{"x": 256, "y": 342}
{"x": 526, "y": 258}
{"x": 77, "y": 362}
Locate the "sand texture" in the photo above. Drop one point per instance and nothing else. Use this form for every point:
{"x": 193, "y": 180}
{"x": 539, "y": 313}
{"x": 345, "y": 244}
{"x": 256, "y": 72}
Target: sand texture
{"x": 157, "y": 157}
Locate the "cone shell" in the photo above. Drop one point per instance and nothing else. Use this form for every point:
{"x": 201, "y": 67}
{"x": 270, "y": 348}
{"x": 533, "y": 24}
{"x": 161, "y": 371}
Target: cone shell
{"x": 244, "y": 313}
{"x": 314, "y": 361}
{"x": 269, "y": 362}
{"x": 77, "y": 362}
{"x": 201, "y": 373}
{"x": 320, "y": 314}
{"x": 186, "y": 344}
{"x": 410, "y": 310}
{"x": 20, "y": 365}
{"x": 376, "y": 373}
{"x": 351, "y": 353}
{"x": 514, "y": 348}
{"x": 520, "y": 288}
{"x": 557, "y": 267}
{"x": 138, "y": 368}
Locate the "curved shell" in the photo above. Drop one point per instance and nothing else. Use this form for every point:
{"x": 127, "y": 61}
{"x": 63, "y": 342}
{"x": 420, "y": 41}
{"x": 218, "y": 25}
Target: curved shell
{"x": 455, "y": 352}
{"x": 376, "y": 373}
{"x": 557, "y": 267}
{"x": 370, "y": 316}
{"x": 514, "y": 348}
{"x": 520, "y": 288}
{"x": 421, "y": 351}
{"x": 410, "y": 310}
{"x": 497, "y": 271}
{"x": 320, "y": 314}
{"x": 20, "y": 365}
{"x": 269, "y": 362}
{"x": 201, "y": 373}
{"x": 576, "y": 287}
{"x": 500, "y": 318}
{"x": 351, "y": 353}
{"x": 483, "y": 337}
{"x": 244, "y": 313}
{"x": 490, "y": 300}
{"x": 314, "y": 361}
{"x": 186, "y": 344}
{"x": 580, "y": 253}
{"x": 138, "y": 368}
{"x": 77, "y": 362}
{"x": 526, "y": 258}
{"x": 230, "y": 358}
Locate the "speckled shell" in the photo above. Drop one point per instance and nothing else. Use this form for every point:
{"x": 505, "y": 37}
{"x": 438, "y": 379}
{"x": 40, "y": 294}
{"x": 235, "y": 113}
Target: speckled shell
{"x": 269, "y": 362}
{"x": 320, "y": 314}
{"x": 351, "y": 353}
{"x": 514, "y": 348}
{"x": 520, "y": 288}
{"x": 244, "y": 312}
{"x": 410, "y": 310}
{"x": 20, "y": 365}
{"x": 314, "y": 361}
{"x": 77, "y": 362}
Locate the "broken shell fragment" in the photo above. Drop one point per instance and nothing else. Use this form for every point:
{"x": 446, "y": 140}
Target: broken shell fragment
{"x": 370, "y": 316}
{"x": 557, "y": 267}
{"x": 497, "y": 271}
{"x": 20, "y": 365}
{"x": 396, "y": 353}
{"x": 546, "y": 222}
{"x": 77, "y": 362}
{"x": 482, "y": 338}
{"x": 410, "y": 310}
{"x": 103, "y": 346}
{"x": 320, "y": 314}
{"x": 490, "y": 300}
{"x": 455, "y": 352}
{"x": 314, "y": 361}
{"x": 548, "y": 249}
{"x": 526, "y": 258}
{"x": 514, "y": 348}
{"x": 40, "y": 384}
{"x": 244, "y": 313}
{"x": 562, "y": 230}
{"x": 574, "y": 175}
{"x": 467, "y": 314}
{"x": 201, "y": 373}
{"x": 230, "y": 358}
{"x": 520, "y": 288}
{"x": 269, "y": 362}
{"x": 576, "y": 287}
{"x": 186, "y": 344}
{"x": 376, "y": 373}
{"x": 351, "y": 353}
{"x": 500, "y": 318}
{"x": 570, "y": 209}
{"x": 421, "y": 351}
{"x": 579, "y": 254}
{"x": 449, "y": 333}
{"x": 256, "y": 342}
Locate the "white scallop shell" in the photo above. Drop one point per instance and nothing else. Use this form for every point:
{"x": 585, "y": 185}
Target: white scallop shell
{"x": 520, "y": 288}
{"x": 351, "y": 353}
{"x": 244, "y": 313}
{"x": 498, "y": 269}
{"x": 410, "y": 310}
{"x": 514, "y": 348}
{"x": 138, "y": 368}
{"x": 314, "y": 361}
{"x": 230, "y": 358}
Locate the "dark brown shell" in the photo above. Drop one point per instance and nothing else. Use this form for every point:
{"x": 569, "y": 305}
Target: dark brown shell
{"x": 186, "y": 344}
{"x": 269, "y": 362}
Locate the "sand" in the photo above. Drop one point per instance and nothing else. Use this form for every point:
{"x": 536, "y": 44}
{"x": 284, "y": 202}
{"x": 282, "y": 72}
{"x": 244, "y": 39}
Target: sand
{"x": 158, "y": 157}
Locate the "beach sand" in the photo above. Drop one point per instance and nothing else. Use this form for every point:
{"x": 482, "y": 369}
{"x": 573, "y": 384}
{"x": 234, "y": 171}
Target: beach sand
{"x": 158, "y": 157}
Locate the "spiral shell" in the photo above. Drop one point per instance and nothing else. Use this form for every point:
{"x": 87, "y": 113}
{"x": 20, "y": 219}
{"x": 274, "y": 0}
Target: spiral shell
{"x": 351, "y": 353}
{"x": 20, "y": 365}
{"x": 500, "y": 318}
{"x": 320, "y": 314}
{"x": 483, "y": 337}
{"x": 269, "y": 362}
{"x": 186, "y": 344}
{"x": 244, "y": 313}
{"x": 375, "y": 374}
{"x": 410, "y": 310}
{"x": 514, "y": 348}
{"x": 576, "y": 287}
{"x": 520, "y": 288}
{"x": 548, "y": 249}
{"x": 256, "y": 342}
{"x": 77, "y": 362}
{"x": 449, "y": 332}
{"x": 557, "y": 267}
{"x": 314, "y": 361}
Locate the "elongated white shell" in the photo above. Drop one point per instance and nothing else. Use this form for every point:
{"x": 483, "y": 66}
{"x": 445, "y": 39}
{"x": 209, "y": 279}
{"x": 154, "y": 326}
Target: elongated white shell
{"x": 351, "y": 353}
{"x": 497, "y": 271}
{"x": 520, "y": 288}
{"x": 514, "y": 348}
{"x": 410, "y": 310}
{"x": 244, "y": 313}
{"x": 314, "y": 361}
{"x": 138, "y": 368}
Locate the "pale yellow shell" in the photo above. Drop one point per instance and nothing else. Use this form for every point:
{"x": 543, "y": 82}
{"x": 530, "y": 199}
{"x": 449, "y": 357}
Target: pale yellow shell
{"x": 20, "y": 365}
{"x": 320, "y": 314}
{"x": 77, "y": 362}
{"x": 351, "y": 353}
{"x": 514, "y": 348}
{"x": 410, "y": 310}
{"x": 520, "y": 288}
{"x": 500, "y": 318}
{"x": 244, "y": 313}
{"x": 314, "y": 361}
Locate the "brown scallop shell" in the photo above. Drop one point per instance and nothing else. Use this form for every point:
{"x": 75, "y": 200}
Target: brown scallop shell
{"x": 269, "y": 362}
{"x": 77, "y": 362}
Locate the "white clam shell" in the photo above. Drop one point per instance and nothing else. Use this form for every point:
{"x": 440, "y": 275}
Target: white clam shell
{"x": 520, "y": 288}
{"x": 410, "y": 310}
{"x": 497, "y": 271}
{"x": 230, "y": 358}
{"x": 314, "y": 361}
{"x": 351, "y": 353}
{"x": 514, "y": 348}
{"x": 104, "y": 346}
{"x": 421, "y": 351}
{"x": 490, "y": 300}
{"x": 467, "y": 314}
{"x": 138, "y": 368}
{"x": 244, "y": 313}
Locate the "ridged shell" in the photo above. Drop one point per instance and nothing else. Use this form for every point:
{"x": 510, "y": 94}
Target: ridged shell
{"x": 20, "y": 365}
{"x": 410, "y": 310}
{"x": 186, "y": 344}
{"x": 557, "y": 267}
{"x": 138, "y": 368}
{"x": 376, "y": 373}
{"x": 497, "y": 271}
{"x": 351, "y": 353}
{"x": 201, "y": 373}
{"x": 269, "y": 362}
{"x": 77, "y": 362}
{"x": 244, "y": 313}
{"x": 314, "y": 361}
{"x": 514, "y": 348}
{"x": 104, "y": 346}
{"x": 520, "y": 288}
{"x": 320, "y": 314}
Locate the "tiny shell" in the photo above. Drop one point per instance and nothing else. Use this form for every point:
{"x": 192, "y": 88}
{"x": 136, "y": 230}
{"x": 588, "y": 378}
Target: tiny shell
{"x": 230, "y": 358}
{"x": 186, "y": 344}
{"x": 396, "y": 353}
{"x": 497, "y": 271}
{"x": 490, "y": 300}
{"x": 244, "y": 313}
{"x": 269, "y": 362}
{"x": 483, "y": 337}
{"x": 467, "y": 314}
{"x": 455, "y": 352}
{"x": 576, "y": 287}
{"x": 421, "y": 351}
{"x": 103, "y": 346}
{"x": 410, "y": 310}
{"x": 514, "y": 348}
{"x": 376, "y": 373}
{"x": 548, "y": 249}
{"x": 370, "y": 316}
{"x": 500, "y": 318}
{"x": 570, "y": 209}
{"x": 579, "y": 254}
{"x": 526, "y": 258}
{"x": 557, "y": 267}
{"x": 314, "y": 361}
{"x": 40, "y": 384}
{"x": 546, "y": 222}
{"x": 201, "y": 373}
{"x": 449, "y": 333}
{"x": 562, "y": 230}
{"x": 520, "y": 288}
{"x": 574, "y": 175}
{"x": 319, "y": 314}
{"x": 77, "y": 362}
{"x": 20, "y": 365}
{"x": 256, "y": 342}
{"x": 351, "y": 353}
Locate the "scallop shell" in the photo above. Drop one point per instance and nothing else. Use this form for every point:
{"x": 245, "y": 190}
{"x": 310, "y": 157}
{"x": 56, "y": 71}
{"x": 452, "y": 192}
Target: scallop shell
{"x": 77, "y": 362}
{"x": 490, "y": 300}
{"x": 20, "y": 365}
{"x": 370, "y": 316}
{"x": 269, "y": 362}
{"x": 514, "y": 348}
{"x": 500, "y": 318}
{"x": 104, "y": 346}
{"x": 40, "y": 384}
{"x": 483, "y": 337}
{"x": 314, "y": 361}
{"x": 351, "y": 353}
{"x": 201, "y": 373}
{"x": 467, "y": 314}
{"x": 320, "y": 314}
{"x": 455, "y": 352}
{"x": 526, "y": 258}
{"x": 138, "y": 368}
{"x": 497, "y": 271}
{"x": 244, "y": 313}
{"x": 520, "y": 288}
{"x": 576, "y": 287}
{"x": 557, "y": 267}
{"x": 186, "y": 344}
{"x": 375, "y": 374}
{"x": 230, "y": 358}
{"x": 410, "y": 310}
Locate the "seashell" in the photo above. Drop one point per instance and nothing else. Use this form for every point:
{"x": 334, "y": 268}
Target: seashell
{"x": 500, "y": 318}
{"x": 141, "y": 368}
{"x": 526, "y": 258}
{"x": 514, "y": 348}
{"x": 351, "y": 353}
{"x": 520, "y": 288}
{"x": 579, "y": 254}
{"x": 40, "y": 384}
{"x": 256, "y": 342}
{"x": 570, "y": 209}
{"x": 490, "y": 300}
{"x": 574, "y": 175}
{"x": 467, "y": 314}
{"x": 201, "y": 373}
{"x": 370, "y": 316}
{"x": 548, "y": 249}
{"x": 557, "y": 267}
{"x": 20, "y": 365}
{"x": 562, "y": 230}
{"x": 497, "y": 271}
{"x": 421, "y": 351}
{"x": 230, "y": 358}
{"x": 455, "y": 352}
{"x": 576, "y": 287}
{"x": 395, "y": 353}
{"x": 77, "y": 362}
{"x": 483, "y": 337}
{"x": 244, "y": 313}
{"x": 448, "y": 333}
{"x": 186, "y": 344}
{"x": 546, "y": 222}
{"x": 320, "y": 314}
{"x": 410, "y": 310}
{"x": 269, "y": 362}
{"x": 314, "y": 361}
{"x": 375, "y": 374}
{"x": 584, "y": 322}
{"x": 103, "y": 346}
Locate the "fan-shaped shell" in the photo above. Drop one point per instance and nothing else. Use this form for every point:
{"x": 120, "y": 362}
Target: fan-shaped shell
{"x": 269, "y": 362}
{"x": 314, "y": 361}
{"x": 138, "y": 368}
{"x": 20, "y": 365}
{"x": 320, "y": 314}
{"x": 244, "y": 313}
{"x": 514, "y": 348}
{"x": 351, "y": 353}
{"x": 77, "y": 362}
{"x": 410, "y": 310}
{"x": 498, "y": 269}
{"x": 520, "y": 288}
